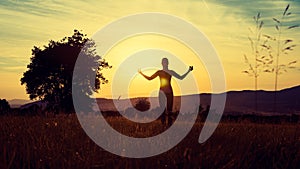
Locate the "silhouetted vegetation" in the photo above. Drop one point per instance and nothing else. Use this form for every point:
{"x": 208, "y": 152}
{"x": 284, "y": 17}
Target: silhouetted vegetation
{"x": 50, "y": 72}
{"x": 282, "y": 46}
{"x": 266, "y": 52}
{"x": 142, "y": 104}
{"x": 257, "y": 60}
{"x": 60, "y": 142}
{"x": 4, "y": 106}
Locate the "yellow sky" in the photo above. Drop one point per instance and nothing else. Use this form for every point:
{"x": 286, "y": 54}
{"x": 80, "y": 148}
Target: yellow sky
{"x": 145, "y": 52}
{"x": 225, "y": 23}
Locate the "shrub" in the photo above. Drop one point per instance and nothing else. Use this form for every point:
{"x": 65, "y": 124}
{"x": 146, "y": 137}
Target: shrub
{"x": 142, "y": 104}
{"x": 4, "y": 106}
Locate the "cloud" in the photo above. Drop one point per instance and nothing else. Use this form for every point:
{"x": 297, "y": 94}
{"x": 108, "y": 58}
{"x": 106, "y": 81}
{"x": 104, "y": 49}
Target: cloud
{"x": 246, "y": 9}
{"x": 12, "y": 64}
{"x": 34, "y": 7}
{"x": 25, "y": 23}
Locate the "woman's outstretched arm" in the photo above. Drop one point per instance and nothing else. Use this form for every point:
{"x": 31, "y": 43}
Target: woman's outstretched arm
{"x": 173, "y": 73}
{"x": 148, "y": 77}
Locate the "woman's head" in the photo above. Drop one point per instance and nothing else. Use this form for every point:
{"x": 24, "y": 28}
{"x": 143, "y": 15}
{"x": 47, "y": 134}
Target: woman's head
{"x": 165, "y": 62}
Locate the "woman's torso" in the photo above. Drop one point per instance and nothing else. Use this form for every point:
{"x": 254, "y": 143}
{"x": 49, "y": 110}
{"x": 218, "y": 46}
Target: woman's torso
{"x": 165, "y": 81}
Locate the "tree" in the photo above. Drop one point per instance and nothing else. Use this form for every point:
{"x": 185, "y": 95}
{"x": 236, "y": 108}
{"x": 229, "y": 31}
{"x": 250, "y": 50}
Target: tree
{"x": 4, "y": 106}
{"x": 49, "y": 75}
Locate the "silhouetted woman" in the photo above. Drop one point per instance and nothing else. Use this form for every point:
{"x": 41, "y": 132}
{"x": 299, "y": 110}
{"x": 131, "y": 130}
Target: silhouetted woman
{"x": 165, "y": 76}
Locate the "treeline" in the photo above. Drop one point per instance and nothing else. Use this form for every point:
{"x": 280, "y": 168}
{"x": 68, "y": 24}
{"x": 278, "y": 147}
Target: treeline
{"x": 4, "y": 106}
{"x": 31, "y": 109}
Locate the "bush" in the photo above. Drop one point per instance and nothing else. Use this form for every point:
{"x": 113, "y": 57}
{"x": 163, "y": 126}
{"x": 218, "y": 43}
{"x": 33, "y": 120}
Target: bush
{"x": 142, "y": 104}
{"x": 4, "y": 106}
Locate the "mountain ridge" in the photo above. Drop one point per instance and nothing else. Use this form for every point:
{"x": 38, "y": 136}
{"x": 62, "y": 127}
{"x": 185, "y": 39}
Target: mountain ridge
{"x": 288, "y": 101}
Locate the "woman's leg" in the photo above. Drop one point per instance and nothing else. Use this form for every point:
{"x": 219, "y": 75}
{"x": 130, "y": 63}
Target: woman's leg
{"x": 169, "y": 108}
{"x": 169, "y": 102}
{"x": 162, "y": 103}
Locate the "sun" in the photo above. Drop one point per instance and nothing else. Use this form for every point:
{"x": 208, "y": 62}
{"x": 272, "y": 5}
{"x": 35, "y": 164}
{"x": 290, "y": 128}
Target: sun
{"x": 145, "y": 52}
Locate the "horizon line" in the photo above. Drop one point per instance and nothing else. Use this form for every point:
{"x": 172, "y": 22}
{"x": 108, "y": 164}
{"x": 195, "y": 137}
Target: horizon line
{"x": 242, "y": 90}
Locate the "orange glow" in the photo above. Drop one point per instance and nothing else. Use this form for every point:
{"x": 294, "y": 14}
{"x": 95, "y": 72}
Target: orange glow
{"x": 180, "y": 57}
{"x": 164, "y": 82}
{"x": 227, "y": 30}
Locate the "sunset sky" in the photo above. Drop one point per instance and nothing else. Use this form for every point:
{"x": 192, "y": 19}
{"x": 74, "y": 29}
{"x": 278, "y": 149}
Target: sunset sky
{"x": 28, "y": 23}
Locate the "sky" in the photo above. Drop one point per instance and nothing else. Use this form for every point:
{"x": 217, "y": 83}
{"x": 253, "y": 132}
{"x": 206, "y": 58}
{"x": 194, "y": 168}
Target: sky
{"x": 28, "y": 23}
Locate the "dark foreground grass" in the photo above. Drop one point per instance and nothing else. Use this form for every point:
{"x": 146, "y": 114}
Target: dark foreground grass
{"x": 60, "y": 142}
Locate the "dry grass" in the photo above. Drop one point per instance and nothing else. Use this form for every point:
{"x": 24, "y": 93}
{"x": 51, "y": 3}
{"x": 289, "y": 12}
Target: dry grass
{"x": 60, "y": 142}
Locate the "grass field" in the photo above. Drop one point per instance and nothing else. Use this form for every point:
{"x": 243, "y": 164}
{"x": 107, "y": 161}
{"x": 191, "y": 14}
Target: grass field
{"x": 59, "y": 142}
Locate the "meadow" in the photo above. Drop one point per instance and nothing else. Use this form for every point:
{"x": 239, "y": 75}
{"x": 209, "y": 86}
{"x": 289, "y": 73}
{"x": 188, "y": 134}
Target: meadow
{"x": 60, "y": 142}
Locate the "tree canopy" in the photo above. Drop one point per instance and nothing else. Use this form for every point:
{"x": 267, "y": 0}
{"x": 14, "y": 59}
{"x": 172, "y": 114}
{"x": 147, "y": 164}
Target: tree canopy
{"x": 50, "y": 72}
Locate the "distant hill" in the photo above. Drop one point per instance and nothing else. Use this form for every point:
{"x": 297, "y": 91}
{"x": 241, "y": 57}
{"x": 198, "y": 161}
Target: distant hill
{"x": 288, "y": 101}
{"x": 15, "y": 103}
{"x": 237, "y": 102}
